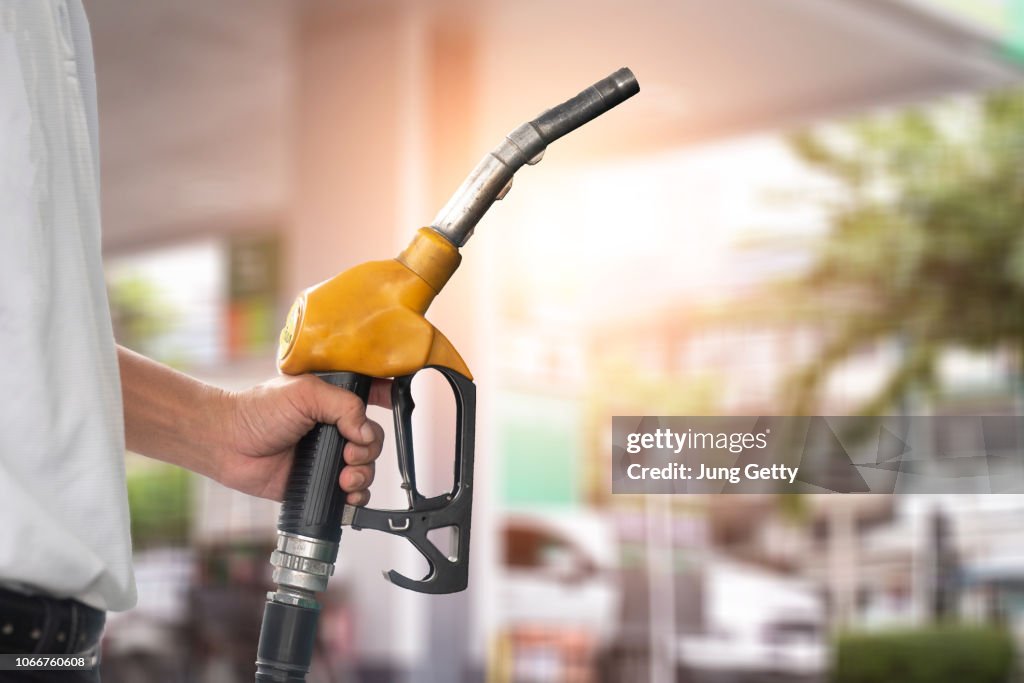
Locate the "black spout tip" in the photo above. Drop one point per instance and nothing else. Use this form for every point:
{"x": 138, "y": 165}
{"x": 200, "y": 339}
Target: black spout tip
{"x": 616, "y": 89}
{"x": 625, "y": 81}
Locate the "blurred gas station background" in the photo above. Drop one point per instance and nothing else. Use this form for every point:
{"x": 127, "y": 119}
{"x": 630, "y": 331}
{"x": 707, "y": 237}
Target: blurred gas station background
{"x": 808, "y": 207}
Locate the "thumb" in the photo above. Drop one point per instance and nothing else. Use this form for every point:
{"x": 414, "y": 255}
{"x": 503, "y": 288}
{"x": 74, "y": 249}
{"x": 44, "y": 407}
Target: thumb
{"x": 333, "y": 405}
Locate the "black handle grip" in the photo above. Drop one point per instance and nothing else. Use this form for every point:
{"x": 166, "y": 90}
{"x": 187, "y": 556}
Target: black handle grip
{"x": 312, "y": 499}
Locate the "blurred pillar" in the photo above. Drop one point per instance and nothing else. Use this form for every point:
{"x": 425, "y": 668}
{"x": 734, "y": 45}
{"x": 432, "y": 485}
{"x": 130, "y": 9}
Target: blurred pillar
{"x": 383, "y": 134}
{"x": 661, "y": 576}
{"x": 346, "y": 200}
{"x": 842, "y": 560}
{"x": 450, "y": 154}
{"x": 945, "y": 596}
{"x": 346, "y": 163}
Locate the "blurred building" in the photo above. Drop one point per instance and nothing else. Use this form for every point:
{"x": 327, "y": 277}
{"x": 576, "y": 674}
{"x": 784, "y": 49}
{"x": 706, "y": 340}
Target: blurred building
{"x": 253, "y": 147}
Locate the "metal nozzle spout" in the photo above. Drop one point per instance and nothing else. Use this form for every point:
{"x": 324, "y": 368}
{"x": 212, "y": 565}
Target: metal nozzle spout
{"x": 492, "y": 177}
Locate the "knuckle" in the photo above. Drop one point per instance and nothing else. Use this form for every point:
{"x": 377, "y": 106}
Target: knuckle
{"x": 355, "y": 454}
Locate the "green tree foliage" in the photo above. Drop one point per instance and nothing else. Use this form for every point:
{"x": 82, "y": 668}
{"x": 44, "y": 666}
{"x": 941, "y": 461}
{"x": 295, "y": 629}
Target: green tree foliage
{"x": 926, "y": 244}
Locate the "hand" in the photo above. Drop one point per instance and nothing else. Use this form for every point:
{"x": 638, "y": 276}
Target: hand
{"x": 266, "y": 422}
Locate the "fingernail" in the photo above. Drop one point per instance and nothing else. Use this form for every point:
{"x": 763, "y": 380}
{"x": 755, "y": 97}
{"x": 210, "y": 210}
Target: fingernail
{"x": 357, "y": 481}
{"x": 367, "y": 432}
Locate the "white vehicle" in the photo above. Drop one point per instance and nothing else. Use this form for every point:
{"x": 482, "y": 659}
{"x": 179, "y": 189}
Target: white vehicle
{"x": 558, "y": 574}
{"x": 755, "y": 623}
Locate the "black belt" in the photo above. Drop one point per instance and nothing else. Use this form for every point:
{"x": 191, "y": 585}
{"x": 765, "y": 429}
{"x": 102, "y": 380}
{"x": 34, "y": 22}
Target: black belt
{"x": 36, "y": 624}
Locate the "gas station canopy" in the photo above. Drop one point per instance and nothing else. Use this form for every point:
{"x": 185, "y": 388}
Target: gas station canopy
{"x": 712, "y": 69}
{"x": 196, "y": 97}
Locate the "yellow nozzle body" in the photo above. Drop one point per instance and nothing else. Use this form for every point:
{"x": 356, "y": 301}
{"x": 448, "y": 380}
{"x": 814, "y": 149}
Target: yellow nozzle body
{"x": 369, "y": 319}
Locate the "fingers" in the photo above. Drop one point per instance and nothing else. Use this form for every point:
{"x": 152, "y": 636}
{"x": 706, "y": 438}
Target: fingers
{"x": 334, "y": 405}
{"x": 355, "y": 479}
{"x": 358, "y": 454}
{"x": 365, "y": 438}
{"x": 357, "y": 476}
{"x": 358, "y": 498}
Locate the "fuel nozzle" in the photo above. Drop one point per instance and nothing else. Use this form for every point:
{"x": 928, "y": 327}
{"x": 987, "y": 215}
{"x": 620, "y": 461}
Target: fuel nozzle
{"x": 492, "y": 177}
{"x": 369, "y": 322}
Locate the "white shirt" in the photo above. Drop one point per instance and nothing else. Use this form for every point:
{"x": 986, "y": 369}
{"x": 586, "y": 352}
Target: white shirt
{"x": 64, "y": 526}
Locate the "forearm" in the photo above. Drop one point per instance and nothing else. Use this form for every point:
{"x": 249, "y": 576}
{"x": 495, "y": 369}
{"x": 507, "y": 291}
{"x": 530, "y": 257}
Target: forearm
{"x": 244, "y": 440}
{"x": 170, "y": 416}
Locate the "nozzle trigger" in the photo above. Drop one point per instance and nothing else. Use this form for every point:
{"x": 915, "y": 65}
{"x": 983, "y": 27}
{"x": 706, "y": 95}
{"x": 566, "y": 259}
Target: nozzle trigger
{"x": 450, "y": 510}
